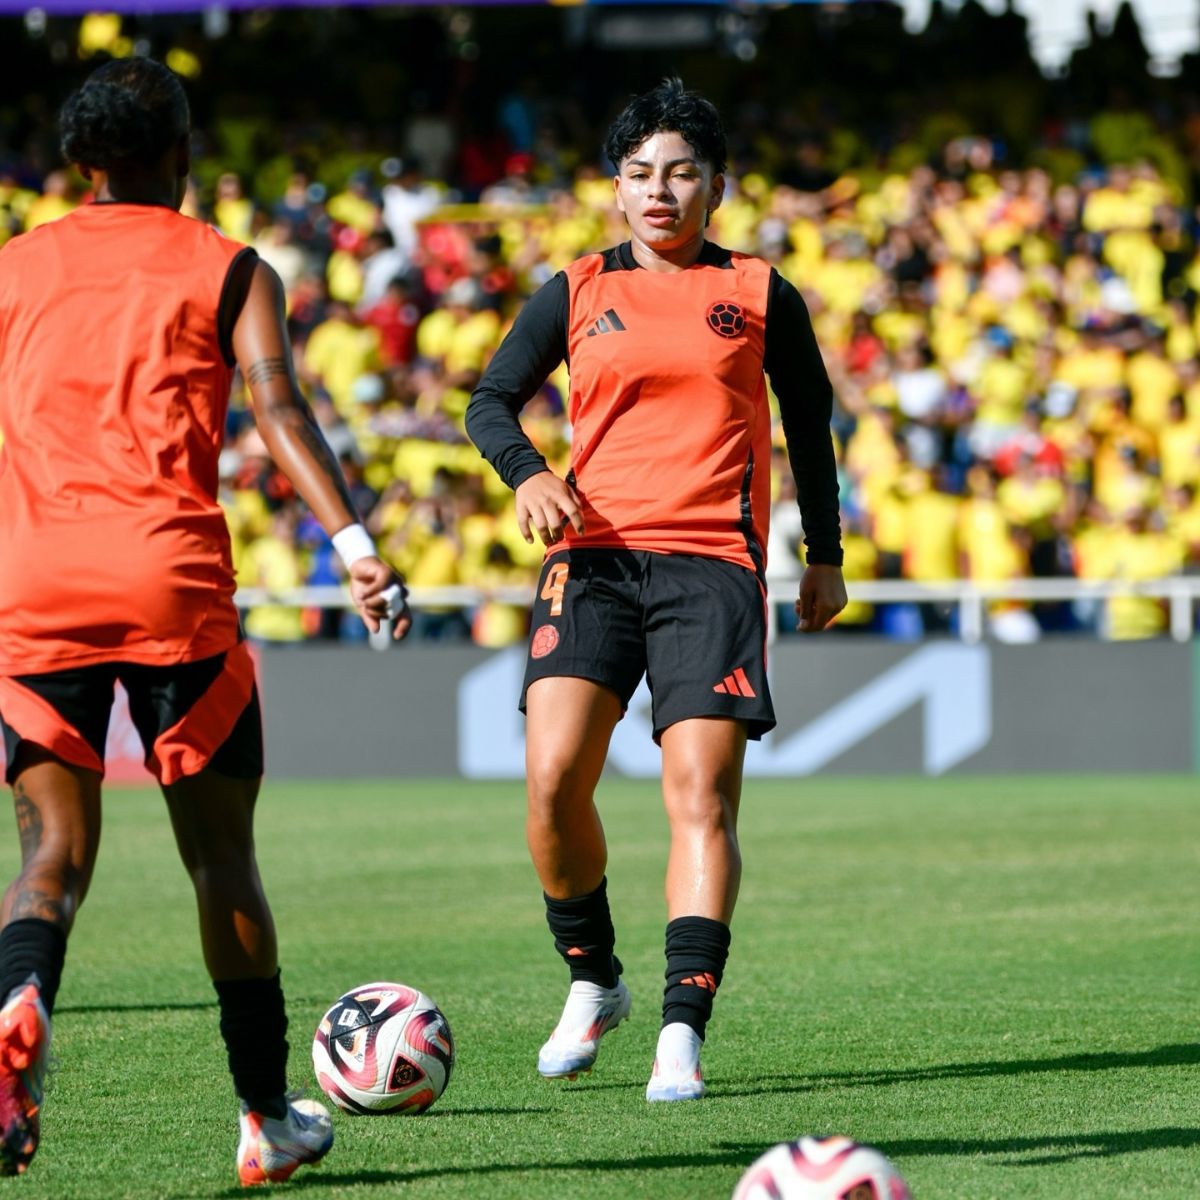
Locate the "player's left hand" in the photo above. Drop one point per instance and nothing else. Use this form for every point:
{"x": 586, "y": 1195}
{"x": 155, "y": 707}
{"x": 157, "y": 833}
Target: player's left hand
{"x": 822, "y": 596}
{"x": 379, "y": 594}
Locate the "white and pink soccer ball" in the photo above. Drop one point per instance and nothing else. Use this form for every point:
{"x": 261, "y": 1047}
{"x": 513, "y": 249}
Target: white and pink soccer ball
{"x": 383, "y": 1048}
{"x": 812, "y": 1168}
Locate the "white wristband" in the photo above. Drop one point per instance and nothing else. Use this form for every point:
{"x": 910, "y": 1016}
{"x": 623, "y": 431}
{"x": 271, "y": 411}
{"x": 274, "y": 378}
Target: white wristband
{"x": 353, "y": 543}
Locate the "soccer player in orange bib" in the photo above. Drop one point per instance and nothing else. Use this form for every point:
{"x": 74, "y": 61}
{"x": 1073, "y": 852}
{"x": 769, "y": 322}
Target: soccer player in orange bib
{"x": 655, "y": 556}
{"x": 120, "y": 328}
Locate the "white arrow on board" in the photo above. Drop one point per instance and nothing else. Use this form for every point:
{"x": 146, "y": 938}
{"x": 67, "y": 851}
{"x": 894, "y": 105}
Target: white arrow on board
{"x": 952, "y": 682}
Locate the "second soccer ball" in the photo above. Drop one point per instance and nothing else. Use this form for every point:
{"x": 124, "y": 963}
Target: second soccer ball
{"x": 383, "y": 1048}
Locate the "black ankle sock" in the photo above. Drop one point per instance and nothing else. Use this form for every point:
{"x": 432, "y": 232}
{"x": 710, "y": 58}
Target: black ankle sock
{"x": 697, "y": 948}
{"x": 583, "y": 935}
{"x": 31, "y": 946}
{"x": 254, "y": 1027}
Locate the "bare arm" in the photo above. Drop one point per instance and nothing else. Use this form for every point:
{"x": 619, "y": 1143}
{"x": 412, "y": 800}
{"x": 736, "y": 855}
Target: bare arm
{"x": 287, "y": 425}
{"x": 293, "y": 438}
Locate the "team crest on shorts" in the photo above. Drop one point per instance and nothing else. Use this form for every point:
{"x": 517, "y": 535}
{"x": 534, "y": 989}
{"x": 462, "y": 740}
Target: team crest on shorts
{"x": 545, "y": 639}
{"x": 726, "y": 318}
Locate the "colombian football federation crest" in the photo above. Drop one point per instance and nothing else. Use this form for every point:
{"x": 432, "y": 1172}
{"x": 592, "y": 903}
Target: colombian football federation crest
{"x": 726, "y": 318}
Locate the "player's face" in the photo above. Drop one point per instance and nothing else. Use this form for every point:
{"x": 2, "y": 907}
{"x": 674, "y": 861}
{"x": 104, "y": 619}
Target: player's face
{"x": 666, "y": 193}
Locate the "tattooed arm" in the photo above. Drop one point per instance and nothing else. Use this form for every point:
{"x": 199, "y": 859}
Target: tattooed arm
{"x": 286, "y": 422}
{"x": 293, "y": 438}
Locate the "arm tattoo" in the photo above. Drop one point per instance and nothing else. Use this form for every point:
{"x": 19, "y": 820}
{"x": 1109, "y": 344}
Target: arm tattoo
{"x": 265, "y": 369}
{"x": 310, "y": 434}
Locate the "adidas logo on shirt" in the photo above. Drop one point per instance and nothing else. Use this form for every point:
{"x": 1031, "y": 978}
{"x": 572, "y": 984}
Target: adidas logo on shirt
{"x": 609, "y": 323}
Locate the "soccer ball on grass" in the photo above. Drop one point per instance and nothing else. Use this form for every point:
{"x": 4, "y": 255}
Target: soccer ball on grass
{"x": 383, "y": 1048}
{"x": 812, "y": 1168}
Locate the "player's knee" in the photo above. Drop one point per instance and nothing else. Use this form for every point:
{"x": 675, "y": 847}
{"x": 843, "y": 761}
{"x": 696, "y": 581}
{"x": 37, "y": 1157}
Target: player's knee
{"x": 219, "y": 858}
{"x": 694, "y": 803}
{"x": 551, "y": 782}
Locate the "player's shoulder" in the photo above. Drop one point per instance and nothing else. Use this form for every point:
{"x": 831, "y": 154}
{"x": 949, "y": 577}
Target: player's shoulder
{"x": 739, "y": 260}
{"x": 587, "y": 266}
{"x": 208, "y": 234}
{"x": 33, "y": 241}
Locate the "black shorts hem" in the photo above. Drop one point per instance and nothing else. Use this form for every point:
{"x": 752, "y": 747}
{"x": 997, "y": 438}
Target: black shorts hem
{"x": 755, "y": 726}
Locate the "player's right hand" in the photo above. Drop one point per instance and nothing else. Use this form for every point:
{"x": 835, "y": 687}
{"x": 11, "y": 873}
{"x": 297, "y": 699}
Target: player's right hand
{"x": 379, "y": 594}
{"x": 545, "y": 504}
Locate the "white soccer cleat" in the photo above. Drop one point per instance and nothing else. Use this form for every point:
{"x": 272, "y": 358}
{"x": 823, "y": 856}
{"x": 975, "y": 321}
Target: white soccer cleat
{"x": 590, "y": 1012}
{"x": 676, "y": 1074}
{"x": 271, "y": 1148}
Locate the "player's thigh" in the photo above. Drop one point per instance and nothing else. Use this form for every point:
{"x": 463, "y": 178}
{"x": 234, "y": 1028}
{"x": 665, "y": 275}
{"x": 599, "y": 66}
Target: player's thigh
{"x": 702, "y": 770}
{"x": 586, "y": 658}
{"x": 706, "y": 634}
{"x": 212, "y": 816}
{"x": 569, "y": 723}
{"x": 198, "y": 715}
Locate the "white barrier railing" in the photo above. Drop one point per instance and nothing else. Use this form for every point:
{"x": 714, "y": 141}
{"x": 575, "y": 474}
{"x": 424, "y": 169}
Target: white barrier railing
{"x": 1179, "y": 591}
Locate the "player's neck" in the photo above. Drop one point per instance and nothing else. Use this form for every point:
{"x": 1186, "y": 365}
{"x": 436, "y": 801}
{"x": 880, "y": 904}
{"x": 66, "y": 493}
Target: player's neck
{"x": 677, "y": 258}
{"x": 136, "y": 186}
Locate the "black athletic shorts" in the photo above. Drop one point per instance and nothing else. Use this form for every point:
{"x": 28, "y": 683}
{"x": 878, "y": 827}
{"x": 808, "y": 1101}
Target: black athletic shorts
{"x": 189, "y": 716}
{"x": 695, "y": 627}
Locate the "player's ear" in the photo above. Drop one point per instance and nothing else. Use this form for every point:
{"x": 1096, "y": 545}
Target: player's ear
{"x": 617, "y": 191}
{"x": 715, "y": 196}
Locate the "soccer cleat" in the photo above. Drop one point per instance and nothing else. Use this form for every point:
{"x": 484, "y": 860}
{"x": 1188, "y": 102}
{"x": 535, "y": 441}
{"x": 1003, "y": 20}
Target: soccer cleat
{"x": 271, "y": 1148}
{"x": 590, "y": 1012}
{"x": 24, "y": 1057}
{"x": 676, "y": 1074}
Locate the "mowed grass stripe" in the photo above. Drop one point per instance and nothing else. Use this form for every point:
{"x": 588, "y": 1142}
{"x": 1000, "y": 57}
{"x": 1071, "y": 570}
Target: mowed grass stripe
{"x": 992, "y": 979}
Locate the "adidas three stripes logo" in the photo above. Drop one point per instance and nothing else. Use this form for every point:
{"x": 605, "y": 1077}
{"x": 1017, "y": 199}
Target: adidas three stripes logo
{"x": 609, "y": 323}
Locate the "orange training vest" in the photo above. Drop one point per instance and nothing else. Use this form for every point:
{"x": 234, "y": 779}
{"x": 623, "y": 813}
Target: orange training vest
{"x": 113, "y": 392}
{"x": 671, "y": 428}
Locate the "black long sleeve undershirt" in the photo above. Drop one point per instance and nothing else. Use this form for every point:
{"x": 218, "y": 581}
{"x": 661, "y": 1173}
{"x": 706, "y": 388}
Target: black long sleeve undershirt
{"x": 537, "y": 343}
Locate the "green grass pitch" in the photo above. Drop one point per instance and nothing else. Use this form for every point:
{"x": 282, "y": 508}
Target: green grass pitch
{"x": 995, "y": 981}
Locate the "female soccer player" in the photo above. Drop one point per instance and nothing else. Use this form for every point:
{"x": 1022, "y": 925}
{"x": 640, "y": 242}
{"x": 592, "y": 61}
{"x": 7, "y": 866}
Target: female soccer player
{"x": 655, "y": 555}
{"x": 120, "y": 326}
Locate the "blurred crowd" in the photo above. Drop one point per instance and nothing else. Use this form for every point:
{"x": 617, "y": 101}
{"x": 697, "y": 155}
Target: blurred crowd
{"x": 1013, "y": 353}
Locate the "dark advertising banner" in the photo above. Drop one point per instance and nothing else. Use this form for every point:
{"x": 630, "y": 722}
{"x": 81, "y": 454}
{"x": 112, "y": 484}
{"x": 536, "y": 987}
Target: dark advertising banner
{"x": 844, "y": 707}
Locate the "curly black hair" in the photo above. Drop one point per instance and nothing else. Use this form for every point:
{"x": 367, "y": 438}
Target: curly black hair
{"x": 668, "y": 108}
{"x": 129, "y": 111}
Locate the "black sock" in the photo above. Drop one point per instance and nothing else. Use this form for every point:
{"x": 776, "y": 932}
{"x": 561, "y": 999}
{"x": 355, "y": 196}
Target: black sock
{"x": 697, "y": 948}
{"x": 254, "y": 1027}
{"x": 31, "y": 946}
{"x": 583, "y": 935}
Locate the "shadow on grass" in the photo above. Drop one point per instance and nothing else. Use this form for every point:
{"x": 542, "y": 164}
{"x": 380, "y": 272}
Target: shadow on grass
{"x": 725, "y": 1155}
{"x": 196, "y": 1006}
{"x": 1034, "y": 1152}
{"x": 1041, "y": 1151}
{"x": 1184, "y": 1054}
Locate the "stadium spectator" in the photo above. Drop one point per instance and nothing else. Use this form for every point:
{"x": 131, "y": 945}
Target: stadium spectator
{"x": 112, "y": 407}
{"x": 396, "y": 316}
{"x": 654, "y": 563}
{"x": 407, "y": 200}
